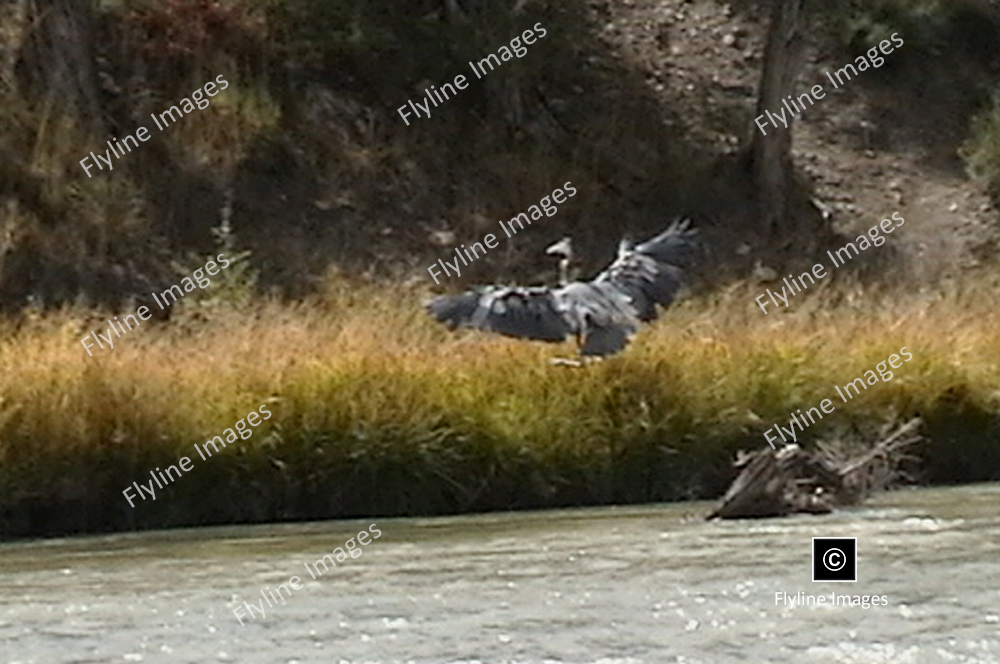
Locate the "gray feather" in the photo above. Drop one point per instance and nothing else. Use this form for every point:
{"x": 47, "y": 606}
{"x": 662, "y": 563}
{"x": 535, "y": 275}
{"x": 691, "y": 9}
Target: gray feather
{"x": 529, "y": 313}
{"x": 603, "y": 313}
{"x": 604, "y": 341}
{"x": 648, "y": 272}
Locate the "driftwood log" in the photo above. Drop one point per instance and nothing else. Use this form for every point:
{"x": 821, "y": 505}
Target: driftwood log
{"x": 789, "y": 480}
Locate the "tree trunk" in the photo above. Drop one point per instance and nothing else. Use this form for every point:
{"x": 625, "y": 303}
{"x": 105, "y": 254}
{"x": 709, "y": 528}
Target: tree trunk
{"x": 45, "y": 53}
{"x": 57, "y": 59}
{"x": 774, "y": 483}
{"x": 13, "y": 27}
{"x": 772, "y": 161}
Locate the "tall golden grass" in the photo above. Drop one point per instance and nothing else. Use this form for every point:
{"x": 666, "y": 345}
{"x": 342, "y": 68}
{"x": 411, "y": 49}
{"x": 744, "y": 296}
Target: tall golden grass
{"x": 379, "y": 410}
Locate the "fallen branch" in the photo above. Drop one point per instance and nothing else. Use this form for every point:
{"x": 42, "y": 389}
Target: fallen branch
{"x": 790, "y": 480}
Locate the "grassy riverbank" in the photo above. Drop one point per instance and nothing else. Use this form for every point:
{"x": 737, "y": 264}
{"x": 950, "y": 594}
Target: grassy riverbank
{"x": 378, "y": 411}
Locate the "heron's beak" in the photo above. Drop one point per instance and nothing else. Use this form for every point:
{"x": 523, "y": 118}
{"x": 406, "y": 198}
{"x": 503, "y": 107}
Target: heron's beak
{"x": 562, "y": 248}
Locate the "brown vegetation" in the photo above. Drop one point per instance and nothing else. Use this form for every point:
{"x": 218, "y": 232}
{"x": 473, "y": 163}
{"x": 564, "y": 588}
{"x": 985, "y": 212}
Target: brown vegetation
{"x": 379, "y": 411}
{"x": 645, "y": 107}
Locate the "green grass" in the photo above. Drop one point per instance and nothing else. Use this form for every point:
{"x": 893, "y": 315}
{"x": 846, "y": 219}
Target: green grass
{"x": 379, "y": 411}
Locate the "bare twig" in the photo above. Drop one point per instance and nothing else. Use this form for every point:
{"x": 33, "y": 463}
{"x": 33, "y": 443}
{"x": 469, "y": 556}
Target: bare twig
{"x": 780, "y": 482}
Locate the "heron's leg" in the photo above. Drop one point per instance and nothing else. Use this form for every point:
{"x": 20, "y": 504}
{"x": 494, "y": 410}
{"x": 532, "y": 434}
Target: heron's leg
{"x": 581, "y": 361}
{"x": 565, "y": 362}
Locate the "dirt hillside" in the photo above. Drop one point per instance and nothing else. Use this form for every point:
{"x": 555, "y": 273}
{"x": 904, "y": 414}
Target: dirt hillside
{"x": 867, "y": 149}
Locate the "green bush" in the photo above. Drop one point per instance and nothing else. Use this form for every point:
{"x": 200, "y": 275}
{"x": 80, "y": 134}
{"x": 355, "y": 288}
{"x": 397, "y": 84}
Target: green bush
{"x": 859, "y": 25}
{"x": 981, "y": 150}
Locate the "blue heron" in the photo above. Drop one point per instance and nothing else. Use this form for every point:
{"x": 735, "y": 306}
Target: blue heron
{"x": 602, "y": 313}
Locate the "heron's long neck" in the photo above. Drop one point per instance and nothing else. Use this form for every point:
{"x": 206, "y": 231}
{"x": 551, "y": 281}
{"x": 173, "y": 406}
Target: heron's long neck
{"x": 563, "y": 271}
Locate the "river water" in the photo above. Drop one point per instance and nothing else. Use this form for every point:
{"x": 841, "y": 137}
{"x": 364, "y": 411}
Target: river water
{"x": 629, "y": 585}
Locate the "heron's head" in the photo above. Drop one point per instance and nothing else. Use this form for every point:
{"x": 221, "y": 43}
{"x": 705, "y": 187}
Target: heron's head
{"x": 563, "y": 248}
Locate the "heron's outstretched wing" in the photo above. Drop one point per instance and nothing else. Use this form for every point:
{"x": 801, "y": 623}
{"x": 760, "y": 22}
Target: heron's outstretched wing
{"x": 600, "y": 312}
{"x": 648, "y": 273}
{"x": 672, "y": 245}
{"x": 603, "y": 313}
{"x": 529, "y": 313}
